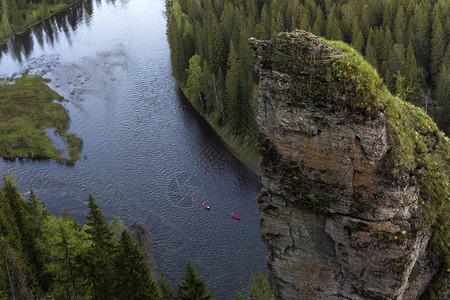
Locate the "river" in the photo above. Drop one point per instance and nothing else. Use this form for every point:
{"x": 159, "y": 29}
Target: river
{"x": 147, "y": 155}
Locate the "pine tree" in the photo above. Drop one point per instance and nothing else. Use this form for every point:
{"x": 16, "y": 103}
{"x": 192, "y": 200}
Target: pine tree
{"x": 412, "y": 75}
{"x": 400, "y": 26}
{"x": 333, "y": 28}
{"x": 357, "y": 37}
{"x": 13, "y": 13}
{"x": 176, "y": 43}
{"x": 304, "y": 23}
{"x": 97, "y": 260}
{"x": 36, "y": 217}
{"x": 15, "y": 201}
{"x": 165, "y": 288}
{"x": 192, "y": 287}
{"x": 443, "y": 97}
{"x": 420, "y": 26}
{"x": 371, "y": 49}
{"x": 318, "y": 23}
{"x": 216, "y": 48}
{"x": 5, "y": 26}
{"x": 132, "y": 275}
{"x": 232, "y": 87}
{"x": 259, "y": 288}
{"x": 437, "y": 47}
{"x": 397, "y": 59}
{"x": 263, "y": 27}
{"x": 388, "y": 43}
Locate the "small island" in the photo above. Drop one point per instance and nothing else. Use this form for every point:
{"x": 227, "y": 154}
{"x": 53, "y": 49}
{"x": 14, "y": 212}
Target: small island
{"x": 27, "y": 108}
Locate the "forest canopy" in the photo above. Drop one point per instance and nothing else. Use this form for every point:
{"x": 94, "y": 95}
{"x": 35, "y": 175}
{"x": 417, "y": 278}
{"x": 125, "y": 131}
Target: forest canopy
{"x": 407, "y": 41}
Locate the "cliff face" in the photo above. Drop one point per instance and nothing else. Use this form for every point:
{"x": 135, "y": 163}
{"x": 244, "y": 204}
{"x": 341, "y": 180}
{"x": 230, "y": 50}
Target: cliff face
{"x": 338, "y": 220}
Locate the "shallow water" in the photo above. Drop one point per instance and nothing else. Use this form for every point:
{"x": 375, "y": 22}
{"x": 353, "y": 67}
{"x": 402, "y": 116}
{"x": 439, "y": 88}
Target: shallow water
{"x": 146, "y": 155}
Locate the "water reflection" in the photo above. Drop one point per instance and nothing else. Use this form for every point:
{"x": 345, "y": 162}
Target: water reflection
{"x": 47, "y": 32}
{"x": 146, "y": 154}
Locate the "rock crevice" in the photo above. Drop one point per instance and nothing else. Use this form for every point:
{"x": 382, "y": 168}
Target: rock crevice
{"x": 335, "y": 226}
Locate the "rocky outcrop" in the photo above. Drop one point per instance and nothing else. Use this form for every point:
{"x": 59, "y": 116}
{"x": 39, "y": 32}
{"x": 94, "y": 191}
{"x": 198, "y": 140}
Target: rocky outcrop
{"x": 336, "y": 224}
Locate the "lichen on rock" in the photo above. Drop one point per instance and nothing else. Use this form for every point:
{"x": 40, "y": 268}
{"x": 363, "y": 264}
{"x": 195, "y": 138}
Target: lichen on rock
{"x": 355, "y": 181}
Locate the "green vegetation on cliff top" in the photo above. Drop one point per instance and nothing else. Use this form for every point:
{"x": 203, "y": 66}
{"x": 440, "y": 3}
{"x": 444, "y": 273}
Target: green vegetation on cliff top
{"x": 418, "y": 148}
{"x": 27, "y": 108}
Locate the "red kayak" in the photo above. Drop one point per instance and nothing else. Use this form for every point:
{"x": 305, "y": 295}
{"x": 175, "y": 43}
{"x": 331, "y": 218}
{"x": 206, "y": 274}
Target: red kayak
{"x": 206, "y": 205}
{"x": 235, "y": 216}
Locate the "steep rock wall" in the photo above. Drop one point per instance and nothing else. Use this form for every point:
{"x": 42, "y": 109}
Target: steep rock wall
{"x": 336, "y": 226}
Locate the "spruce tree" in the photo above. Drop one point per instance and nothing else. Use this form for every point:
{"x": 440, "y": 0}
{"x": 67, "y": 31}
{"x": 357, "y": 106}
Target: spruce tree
{"x": 318, "y": 23}
{"x": 15, "y": 201}
{"x": 400, "y": 26}
{"x": 232, "y": 87}
{"x": 420, "y": 39}
{"x": 388, "y": 43}
{"x": 443, "y": 98}
{"x": 165, "y": 287}
{"x": 13, "y": 13}
{"x": 333, "y": 28}
{"x": 259, "y": 287}
{"x": 176, "y": 42}
{"x": 357, "y": 37}
{"x": 35, "y": 220}
{"x": 97, "y": 260}
{"x": 397, "y": 59}
{"x": 216, "y": 51}
{"x": 132, "y": 274}
{"x": 412, "y": 75}
{"x": 437, "y": 47}
{"x": 371, "y": 49}
{"x": 5, "y": 26}
{"x": 192, "y": 287}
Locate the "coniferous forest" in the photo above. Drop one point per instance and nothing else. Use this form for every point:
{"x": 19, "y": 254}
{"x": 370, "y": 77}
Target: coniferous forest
{"x": 54, "y": 257}
{"x": 43, "y": 255}
{"x": 407, "y": 41}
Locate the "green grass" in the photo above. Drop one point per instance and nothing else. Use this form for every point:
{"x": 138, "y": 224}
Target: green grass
{"x": 27, "y": 108}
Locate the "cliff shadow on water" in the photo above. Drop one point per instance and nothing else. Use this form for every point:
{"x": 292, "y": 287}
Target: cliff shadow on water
{"x": 355, "y": 181}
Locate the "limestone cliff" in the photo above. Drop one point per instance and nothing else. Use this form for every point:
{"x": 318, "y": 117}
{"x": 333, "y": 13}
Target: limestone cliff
{"x": 344, "y": 168}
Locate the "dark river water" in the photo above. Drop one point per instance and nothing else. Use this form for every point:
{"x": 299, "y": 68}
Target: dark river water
{"x": 146, "y": 155}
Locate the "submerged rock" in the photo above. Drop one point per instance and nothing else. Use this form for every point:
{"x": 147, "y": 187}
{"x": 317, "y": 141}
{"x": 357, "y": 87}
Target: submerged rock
{"x": 342, "y": 172}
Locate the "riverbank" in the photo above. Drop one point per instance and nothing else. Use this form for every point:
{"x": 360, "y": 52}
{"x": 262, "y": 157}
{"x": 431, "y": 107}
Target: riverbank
{"x": 243, "y": 149}
{"x": 27, "y": 108}
{"x": 35, "y": 17}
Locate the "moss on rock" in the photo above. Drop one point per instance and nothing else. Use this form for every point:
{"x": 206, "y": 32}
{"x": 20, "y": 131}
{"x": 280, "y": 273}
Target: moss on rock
{"x": 333, "y": 77}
